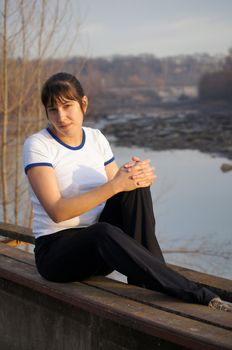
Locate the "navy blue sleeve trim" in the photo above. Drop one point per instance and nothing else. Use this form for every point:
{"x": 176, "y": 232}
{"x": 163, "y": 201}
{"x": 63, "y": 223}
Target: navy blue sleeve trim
{"x": 109, "y": 161}
{"x": 36, "y": 164}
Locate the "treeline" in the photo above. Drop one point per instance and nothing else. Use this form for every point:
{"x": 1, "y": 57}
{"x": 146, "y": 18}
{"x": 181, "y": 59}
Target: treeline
{"x": 125, "y": 81}
{"x": 128, "y": 80}
{"x": 138, "y": 81}
{"x": 217, "y": 85}
{"x": 147, "y": 70}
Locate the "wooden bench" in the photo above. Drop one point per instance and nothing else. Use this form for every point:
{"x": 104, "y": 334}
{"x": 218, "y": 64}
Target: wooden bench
{"x": 100, "y": 313}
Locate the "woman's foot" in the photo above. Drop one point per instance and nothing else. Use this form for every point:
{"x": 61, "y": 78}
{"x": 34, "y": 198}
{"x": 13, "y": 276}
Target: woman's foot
{"x": 218, "y": 304}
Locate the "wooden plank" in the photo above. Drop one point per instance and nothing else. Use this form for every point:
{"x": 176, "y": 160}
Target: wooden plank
{"x": 145, "y": 296}
{"x": 164, "y": 302}
{"x": 221, "y": 286}
{"x": 16, "y": 232}
{"x": 17, "y": 254}
{"x": 144, "y": 318}
{"x": 155, "y": 299}
{"x": 161, "y": 301}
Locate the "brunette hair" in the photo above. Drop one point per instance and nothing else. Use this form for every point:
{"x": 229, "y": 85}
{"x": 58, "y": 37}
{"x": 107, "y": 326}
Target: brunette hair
{"x": 61, "y": 87}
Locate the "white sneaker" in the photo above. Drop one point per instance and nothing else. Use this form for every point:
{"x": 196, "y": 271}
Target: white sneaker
{"x": 218, "y": 304}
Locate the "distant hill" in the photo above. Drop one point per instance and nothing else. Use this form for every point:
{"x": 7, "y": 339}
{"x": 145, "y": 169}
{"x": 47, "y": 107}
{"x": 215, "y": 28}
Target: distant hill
{"x": 144, "y": 80}
{"x": 118, "y": 83}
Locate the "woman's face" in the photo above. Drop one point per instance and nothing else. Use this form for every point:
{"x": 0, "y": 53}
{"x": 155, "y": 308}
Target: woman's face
{"x": 66, "y": 118}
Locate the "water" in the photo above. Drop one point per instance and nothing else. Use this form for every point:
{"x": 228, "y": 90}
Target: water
{"x": 192, "y": 202}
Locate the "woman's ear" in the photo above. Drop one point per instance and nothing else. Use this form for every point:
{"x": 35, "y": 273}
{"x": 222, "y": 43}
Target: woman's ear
{"x": 84, "y": 103}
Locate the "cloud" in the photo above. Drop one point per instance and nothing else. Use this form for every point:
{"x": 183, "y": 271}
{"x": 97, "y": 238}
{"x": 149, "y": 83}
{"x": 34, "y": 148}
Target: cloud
{"x": 170, "y": 26}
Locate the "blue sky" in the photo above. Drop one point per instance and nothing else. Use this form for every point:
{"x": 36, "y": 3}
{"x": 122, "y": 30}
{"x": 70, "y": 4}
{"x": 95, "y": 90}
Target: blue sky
{"x": 159, "y": 27}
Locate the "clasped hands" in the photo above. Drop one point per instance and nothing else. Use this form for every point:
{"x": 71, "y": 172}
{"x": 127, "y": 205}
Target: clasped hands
{"x": 135, "y": 174}
{"x": 141, "y": 171}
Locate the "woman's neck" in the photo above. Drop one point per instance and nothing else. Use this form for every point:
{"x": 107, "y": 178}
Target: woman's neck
{"x": 70, "y": 139}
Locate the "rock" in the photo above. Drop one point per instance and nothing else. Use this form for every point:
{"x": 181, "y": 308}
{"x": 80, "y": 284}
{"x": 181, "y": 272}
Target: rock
{"x": 206, "y": 130}
{"x": 226, "y": 167}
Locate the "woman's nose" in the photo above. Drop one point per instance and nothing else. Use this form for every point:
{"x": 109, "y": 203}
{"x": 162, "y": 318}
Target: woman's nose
{"x": 61, "y": 113}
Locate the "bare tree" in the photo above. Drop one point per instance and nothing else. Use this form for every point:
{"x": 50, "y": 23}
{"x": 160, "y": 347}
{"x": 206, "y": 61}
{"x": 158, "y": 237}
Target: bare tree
{"x": 4, "y": 73}
{"x": 31, "y": 32}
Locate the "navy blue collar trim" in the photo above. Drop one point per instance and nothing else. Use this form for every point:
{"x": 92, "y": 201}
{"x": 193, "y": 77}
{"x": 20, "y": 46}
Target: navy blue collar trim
{"x": 64, "y": 144}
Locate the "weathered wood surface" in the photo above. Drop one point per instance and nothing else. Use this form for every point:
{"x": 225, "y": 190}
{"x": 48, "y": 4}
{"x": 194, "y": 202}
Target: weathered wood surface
{"x": 157, "y": 315}
{"x": 142, "y": 295}
{"x": 19, "y": 233}
{"x": 145, "y": 296}
{"x": 140, "y": 316}
{"x": 163, "y": 302}
{"x": 221, "y": 286}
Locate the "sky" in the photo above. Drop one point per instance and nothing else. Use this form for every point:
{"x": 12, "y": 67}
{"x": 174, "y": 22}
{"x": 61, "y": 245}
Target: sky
{"x": 159, "y": 27}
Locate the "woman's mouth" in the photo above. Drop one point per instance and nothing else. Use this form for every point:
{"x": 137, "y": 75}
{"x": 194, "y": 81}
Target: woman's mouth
{"x": 64, "y": 126}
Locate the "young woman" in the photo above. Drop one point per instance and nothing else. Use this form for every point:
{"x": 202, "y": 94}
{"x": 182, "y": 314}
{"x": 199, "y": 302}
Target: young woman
{"x": 91, "y": 217}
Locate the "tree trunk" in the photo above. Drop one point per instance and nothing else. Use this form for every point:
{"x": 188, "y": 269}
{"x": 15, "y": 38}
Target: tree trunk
{"x": 4, "y": 182}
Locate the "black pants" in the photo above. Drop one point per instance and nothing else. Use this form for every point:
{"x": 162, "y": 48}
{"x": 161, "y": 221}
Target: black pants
{"x": 123, "y": 240}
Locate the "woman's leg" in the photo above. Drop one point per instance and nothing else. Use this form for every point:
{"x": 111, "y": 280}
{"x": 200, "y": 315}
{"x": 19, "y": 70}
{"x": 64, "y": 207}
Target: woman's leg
{"x": 133, "y": 213}
{"x": 81, "y": 254}
{"x": 69, "y": 255}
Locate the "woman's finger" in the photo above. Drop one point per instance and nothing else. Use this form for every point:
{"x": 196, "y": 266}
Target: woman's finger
{"x": 146, "y": 180}
{"x": 142, "y": 173}
{"x": 136, "y": 159}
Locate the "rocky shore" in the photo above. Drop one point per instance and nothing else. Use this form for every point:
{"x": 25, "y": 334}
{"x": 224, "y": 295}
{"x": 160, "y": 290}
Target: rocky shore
{"x": 207, "y": 128}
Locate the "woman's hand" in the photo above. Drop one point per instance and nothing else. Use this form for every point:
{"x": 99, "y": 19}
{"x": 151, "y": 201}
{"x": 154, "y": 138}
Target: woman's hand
{"x": 145, "y": 174}
{"x": 134, "y": 174}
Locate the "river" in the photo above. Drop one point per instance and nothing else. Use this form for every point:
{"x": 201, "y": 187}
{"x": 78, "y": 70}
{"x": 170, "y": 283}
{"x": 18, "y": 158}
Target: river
{"x": 193, "y": 208}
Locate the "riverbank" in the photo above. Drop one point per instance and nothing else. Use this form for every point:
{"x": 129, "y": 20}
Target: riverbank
{"x": 207, "y": 128}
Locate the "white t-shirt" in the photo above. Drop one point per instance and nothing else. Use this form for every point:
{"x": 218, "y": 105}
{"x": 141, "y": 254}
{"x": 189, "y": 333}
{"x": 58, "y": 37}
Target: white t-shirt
{"x": 77, "y": 169}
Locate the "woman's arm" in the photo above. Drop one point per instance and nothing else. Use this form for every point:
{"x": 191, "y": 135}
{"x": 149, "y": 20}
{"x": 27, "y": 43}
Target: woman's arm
{"x": 44, "y": 184}
{"x": 111, "y": 170}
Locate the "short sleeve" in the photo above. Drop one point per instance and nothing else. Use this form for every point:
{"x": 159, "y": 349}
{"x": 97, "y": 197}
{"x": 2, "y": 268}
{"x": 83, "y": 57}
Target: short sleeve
{"x": 105, "y": 149}
{"x": 35, "y": 153}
